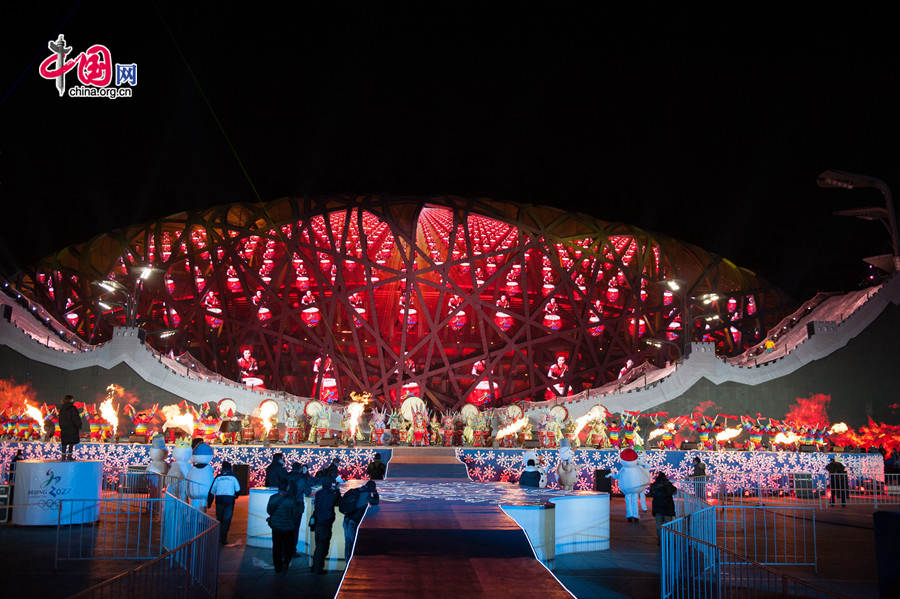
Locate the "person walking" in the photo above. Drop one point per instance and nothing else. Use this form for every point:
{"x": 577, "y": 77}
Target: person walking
{"x": 353, "y": 506}
{"x": 322, "y": 522}
{"x": 69, "y": 427}
{"x": 299, "y": 475}
{"x": 376, "y": 469}
{"x": 662, "y": 491}
{"x": 284, "y": 517}
{"x": 224, "y": 490}
{"x": 699, "y": 476}
{"x": 837, "y": 480}
{"x": 330, "y": 474}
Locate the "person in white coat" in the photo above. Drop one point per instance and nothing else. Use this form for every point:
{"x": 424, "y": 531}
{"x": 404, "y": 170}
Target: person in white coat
{"x": 633, "y": 479}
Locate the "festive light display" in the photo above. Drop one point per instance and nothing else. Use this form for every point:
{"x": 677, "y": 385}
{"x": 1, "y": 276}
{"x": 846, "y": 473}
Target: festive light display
{"x": 117, "y": 457}
{"x": 378, "y": 283}
{"x": 741, "y": 467}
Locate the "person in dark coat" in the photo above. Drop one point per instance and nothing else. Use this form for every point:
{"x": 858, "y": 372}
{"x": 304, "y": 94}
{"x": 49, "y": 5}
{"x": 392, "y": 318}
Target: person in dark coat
{"x": 377, "y": 469}
{"x": 699, "y": 476}
{"x": 330, "y": 474}
{"x": 662, "y": 491}
{"x": 531, "y": 476}
{"x": 299, "y": 475}
{"x": 69, "y": 427}
{"x": 325, "y": 501}
{"x": 276, "y": 472}
{"x": 360, "y": 497}
{"x": 837, "y": 475}
{"x": 284, "y": 517}
{"x": 12, "y": 481}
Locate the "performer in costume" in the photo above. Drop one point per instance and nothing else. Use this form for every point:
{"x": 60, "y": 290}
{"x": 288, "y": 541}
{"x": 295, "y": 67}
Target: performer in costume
{"x": 633, "y": 479}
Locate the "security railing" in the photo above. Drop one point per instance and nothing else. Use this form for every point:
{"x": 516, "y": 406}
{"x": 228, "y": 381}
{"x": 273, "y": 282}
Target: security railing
{"x": 696, "y": 568}
{"x": 820, "y": 490}
{"x": 108, "y": 529}
{"x": 180, "y": 542}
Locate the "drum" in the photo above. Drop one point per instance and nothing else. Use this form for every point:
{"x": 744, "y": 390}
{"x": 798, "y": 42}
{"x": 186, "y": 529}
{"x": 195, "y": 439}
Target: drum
{"x": 302, "y": 283}
{"x": 552, "y": 322}
{"x": 234, "y": 283}
{"x": 264, "y": 314}
{"x": 328, "y": 392}
{"x": 252, "y": 381}
{"x": 412, "y": 318}
{"x": 311, "y": 317}
{"x": 594, "y": 327}
{"x": 213, "y": 321}
{"x": 458, "y": 321}
{"x": 503, "y": 320}
{"x": 512, "y": 287}
{"x": 547, "y": 289}
{"x": 359, "y": 317}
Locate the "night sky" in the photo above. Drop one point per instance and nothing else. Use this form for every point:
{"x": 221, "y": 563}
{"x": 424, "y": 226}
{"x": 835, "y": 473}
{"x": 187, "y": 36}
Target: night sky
{"x": 711, "y": 130}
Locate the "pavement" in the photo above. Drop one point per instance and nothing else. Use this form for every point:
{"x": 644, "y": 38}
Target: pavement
{"x": 845, "y": 544}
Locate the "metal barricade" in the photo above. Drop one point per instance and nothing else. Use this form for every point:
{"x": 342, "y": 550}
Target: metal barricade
{"x": 180, "y": 542}
{"x": 125, "y": 529}
{"x": 769, "y": 535}
{"x": 694, "y": 568}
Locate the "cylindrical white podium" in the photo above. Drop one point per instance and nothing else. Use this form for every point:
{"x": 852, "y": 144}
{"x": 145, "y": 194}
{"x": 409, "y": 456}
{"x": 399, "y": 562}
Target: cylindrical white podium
{"x": 42, "y": 484}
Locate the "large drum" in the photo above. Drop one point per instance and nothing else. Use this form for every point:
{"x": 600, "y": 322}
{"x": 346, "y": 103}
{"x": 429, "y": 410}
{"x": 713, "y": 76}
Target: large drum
{"x": 552, "y": 322}
{"x": 212, "y": 319}
{"x": 503, "y": 320}
{"x": 234, "y": 284}
{"x": 328, "y": 392}
{"x": 547, "y": 289}
{"x": 252, "y": 381}
{"x": 482, "y": 393}
{"x": 458, "y": 321}
{"x": 311, "y": 317}
{"x": 358, "y": 317}
{"x": 264, "y": 314}
{"x": 302, "y": 283}
{"x": 412, "y": 318}
{"x": 594, "y": 327}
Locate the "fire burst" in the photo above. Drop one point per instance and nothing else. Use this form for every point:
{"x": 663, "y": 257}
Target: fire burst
{"x": 787, "y": 438}
{"x": 33, "y": 412}
{"x": 267, "y": 410}
{"x": 175, "y": 419}
{"x": 513, "y": 428}
{"x": 355, "y": 410}
{"x": 595, "y": 413}
{"x": 108, "y": 411}
{"x": 728, "y": 433}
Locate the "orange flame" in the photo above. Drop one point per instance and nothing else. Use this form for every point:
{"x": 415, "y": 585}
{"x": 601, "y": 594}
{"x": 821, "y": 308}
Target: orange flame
{"x": 33, "y": 412}
{"x": 511, "y": 429}
{"x": 728, "y": 433}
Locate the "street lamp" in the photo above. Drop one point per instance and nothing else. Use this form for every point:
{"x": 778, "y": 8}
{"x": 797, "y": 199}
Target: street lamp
{"x": 658, "y": 343}
{"x": 844, "y": 180}
{"x": 687, "y": 334}
{"x": 130, "y": 299}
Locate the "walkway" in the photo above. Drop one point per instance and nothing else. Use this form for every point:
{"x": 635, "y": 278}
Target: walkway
{"x": 442, "y": 547}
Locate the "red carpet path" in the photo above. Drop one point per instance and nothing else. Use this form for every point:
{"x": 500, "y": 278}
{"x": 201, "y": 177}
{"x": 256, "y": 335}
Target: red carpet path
{"x": 432, "y": 548}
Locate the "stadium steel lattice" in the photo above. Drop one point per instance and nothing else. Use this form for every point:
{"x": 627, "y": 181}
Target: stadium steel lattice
{"x": 448, "y": 298}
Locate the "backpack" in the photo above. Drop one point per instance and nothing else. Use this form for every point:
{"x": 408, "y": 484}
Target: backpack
{"x": 348, "y": 502}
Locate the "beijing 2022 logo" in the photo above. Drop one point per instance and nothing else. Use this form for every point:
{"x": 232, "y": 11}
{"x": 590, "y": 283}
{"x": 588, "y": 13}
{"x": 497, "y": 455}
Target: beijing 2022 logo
{"x": 94, "y": 68}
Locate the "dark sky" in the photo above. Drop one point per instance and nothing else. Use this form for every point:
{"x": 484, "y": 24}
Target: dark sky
{"x": 711, "y": 130}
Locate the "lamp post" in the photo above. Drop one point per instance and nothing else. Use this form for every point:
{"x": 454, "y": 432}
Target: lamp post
{"x": 658, "y": 343}
{"x": 130, "y": 299}
{"x": 845, "y": 180}
{"x": 687, "y": 335}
